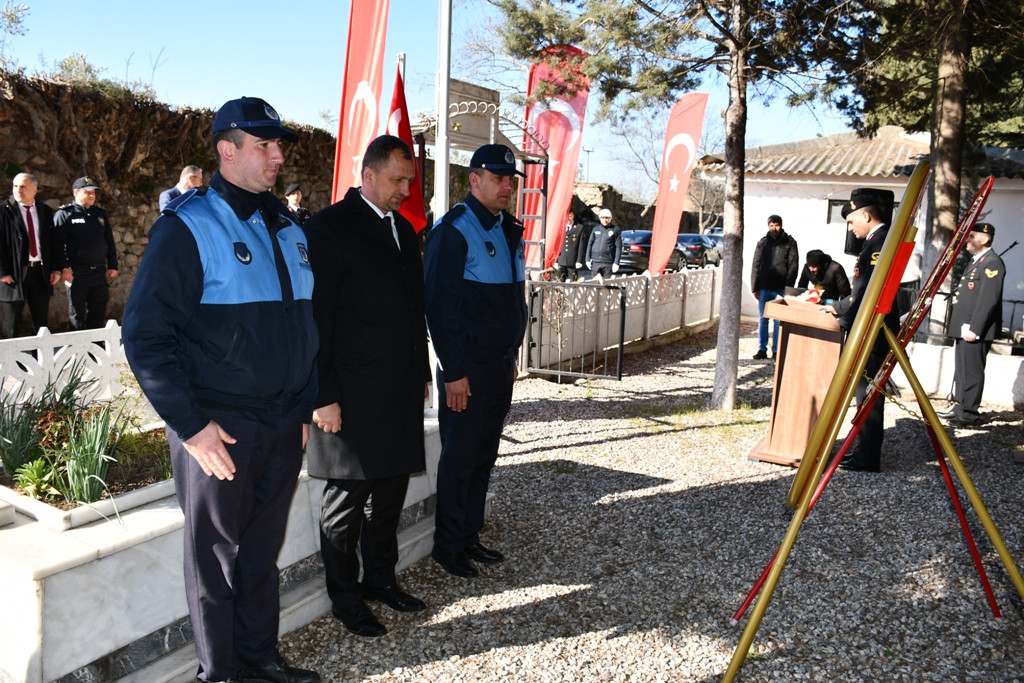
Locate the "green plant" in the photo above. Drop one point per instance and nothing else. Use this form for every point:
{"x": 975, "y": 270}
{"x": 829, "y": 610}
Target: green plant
{"x": 87, "y": 452}
{"x": 18, "y": 434}
{"x": 148, "y": 449}
{"x": 36, "y": 479}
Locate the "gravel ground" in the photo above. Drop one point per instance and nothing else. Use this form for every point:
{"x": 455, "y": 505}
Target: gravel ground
{"x": 634, "y": 525}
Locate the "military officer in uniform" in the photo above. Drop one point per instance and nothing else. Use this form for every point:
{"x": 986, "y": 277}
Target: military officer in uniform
{"x": 570, "y": 259}
{"x": 976, "y": 319}
{"x": 84, "y": 230}
{"x": 866, "y": 214}
{"x": 605, "y": 246}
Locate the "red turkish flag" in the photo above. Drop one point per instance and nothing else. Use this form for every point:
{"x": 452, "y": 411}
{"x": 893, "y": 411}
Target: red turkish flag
{"x": 684, "y": 128}
{"x": 557, "y": 121}
{"x": 360, "y": 92}
{"x": 398, "y": 125}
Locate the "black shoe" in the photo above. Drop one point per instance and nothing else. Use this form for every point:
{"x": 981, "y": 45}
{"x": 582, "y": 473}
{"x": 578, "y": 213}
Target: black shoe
{"x": 952, "y": 411}
{"x": 457, "y": 564}
{"x": 857, "y": 466}
{"x": 394, "y": 597}
{"x": 761, "y": 355}
{"x": 483, "y": 554}
{"x": 278, "y": 671}
{"x": 965, "y": 419}
{"x": 359, "y": 620}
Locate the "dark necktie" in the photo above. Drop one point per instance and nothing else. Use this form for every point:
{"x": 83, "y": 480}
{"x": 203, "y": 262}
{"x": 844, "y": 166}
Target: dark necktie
{"x": 32, "y": 251}
{"x": 394, "y": 231}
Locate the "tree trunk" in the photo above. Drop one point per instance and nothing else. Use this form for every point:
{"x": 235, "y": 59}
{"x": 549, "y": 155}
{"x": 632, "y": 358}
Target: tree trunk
{"x": 723, "y": 395}
{"x": 947, "y": 140}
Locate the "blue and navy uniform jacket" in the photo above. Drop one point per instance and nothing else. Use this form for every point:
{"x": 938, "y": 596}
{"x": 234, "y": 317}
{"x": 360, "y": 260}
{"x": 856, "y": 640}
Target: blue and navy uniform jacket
{"x": 220, "y": 315}
{"x": 474, "y": 273}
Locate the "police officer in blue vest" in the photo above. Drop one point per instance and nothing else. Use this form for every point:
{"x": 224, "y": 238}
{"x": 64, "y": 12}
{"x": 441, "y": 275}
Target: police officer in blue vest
{"x": 476, "y": 315}
{"x": 219, "y": 331}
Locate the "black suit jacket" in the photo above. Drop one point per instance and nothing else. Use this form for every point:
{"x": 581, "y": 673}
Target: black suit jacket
{"x": 373, "y": 361}
{"x": 14, "y": 246}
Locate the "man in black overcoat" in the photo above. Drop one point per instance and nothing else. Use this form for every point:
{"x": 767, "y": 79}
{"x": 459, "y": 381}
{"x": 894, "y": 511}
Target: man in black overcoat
{"x": 374, "y": 370}
{"x": 30, "y": 261}
{"x": 865, "y": 215}
{"x": 574, "y": 246}
{"x": 976, "y": 320}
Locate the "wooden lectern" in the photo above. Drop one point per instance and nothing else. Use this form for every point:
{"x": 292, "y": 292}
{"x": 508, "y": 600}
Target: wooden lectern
{"x": 810, "y": 342}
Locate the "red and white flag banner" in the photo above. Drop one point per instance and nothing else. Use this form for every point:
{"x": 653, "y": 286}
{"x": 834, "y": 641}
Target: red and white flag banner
{"x": 360, "y": 92}
{"x": 556, "y": 120}
{"x": 398, "y": 125}
{"x": 685, "y": 123}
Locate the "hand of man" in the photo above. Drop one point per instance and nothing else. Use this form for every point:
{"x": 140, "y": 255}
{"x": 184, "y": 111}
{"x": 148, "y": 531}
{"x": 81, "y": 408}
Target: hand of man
{"x": 111, "y": 273}
{"x": 830, "y": 309}
{"x": 458, "y": 394}
{"x": 54, "y": 277}
{"x": 67, "y": 275}
{"x": 328, "y": 418}
{"x": 207, "y": 447}
{"x": 7, "y": 279}
{"x": 755, "y": 293}
{"x": 305, "y": 435}
{"x": 590, "y": 264}
{"x": 578, "y": 265}
{"x": 615, "y": 267}
{"x": 970, "y": 337}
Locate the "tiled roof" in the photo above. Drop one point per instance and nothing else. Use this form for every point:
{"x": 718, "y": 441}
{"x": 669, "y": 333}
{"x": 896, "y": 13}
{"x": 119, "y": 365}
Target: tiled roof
{"x": 892, "y": 152}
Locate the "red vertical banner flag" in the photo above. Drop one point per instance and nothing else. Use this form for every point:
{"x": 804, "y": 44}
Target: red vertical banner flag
{"x": 360, "y": 91}
{"x": 557, "y": 121}
{"x": 398, "y": 125}
{"x": 685, "y": 123}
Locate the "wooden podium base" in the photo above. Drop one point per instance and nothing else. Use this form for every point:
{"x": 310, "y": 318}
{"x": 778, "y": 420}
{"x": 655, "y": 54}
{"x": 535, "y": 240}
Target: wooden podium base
{"x": 810, "y": 342}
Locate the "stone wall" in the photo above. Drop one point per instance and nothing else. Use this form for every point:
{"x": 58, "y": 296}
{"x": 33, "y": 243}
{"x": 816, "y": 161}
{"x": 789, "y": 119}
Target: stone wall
{"x": 133, "y": 149}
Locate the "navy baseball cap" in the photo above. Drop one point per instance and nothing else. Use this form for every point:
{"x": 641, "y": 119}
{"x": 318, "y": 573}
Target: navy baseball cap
{"x": 85, "y": 183}
{"x": 253, "y": 116}
{"x": 498, "y": 159}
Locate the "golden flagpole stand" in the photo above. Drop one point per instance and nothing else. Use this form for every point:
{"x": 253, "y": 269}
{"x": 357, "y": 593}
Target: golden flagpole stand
{"x": 860, "y": 341}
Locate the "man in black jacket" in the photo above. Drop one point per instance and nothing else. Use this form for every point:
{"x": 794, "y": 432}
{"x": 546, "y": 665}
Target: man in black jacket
{"x": 976, "y": 320}
{"x": 373, "y": 371}
{"x": 604, "y": 248}
{"x": 88, "y": 242}
{"x": 824, "y": 275}
{"x": 30, "y": 259}
{"x": 773, "y": 268}
{"x": 574, "y": 245}
{"x": 864, "y": 218}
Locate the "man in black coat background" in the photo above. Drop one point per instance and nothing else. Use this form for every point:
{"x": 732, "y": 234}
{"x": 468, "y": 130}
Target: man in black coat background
{"x": 824, "y": 275}
{"x": 30, "y": 258}
{"x": 374, "y": 370}
{"x": 574, "y": 246}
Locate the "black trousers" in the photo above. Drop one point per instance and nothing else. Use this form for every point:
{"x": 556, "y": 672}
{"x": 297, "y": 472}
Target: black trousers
{"x": 969, "y": 373}
{"x": 566, "y": 273}
{"x": 867, "y": 447}
{"x": 233, "y": 533}
{"x": 469, "y": 449}
{"x": 364, "y": 513}
{"x": 87, "y": 302}
{"x": 601, "y": 268}
{"x": 35, "y": 288}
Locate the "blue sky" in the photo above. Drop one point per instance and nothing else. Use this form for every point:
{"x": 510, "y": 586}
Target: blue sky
{"x": 293, "y": 54}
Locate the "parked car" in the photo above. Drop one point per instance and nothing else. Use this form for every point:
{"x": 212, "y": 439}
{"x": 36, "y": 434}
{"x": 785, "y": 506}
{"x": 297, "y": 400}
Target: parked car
{"x": 699, "y": 250}
{"x": 719, "y": 241}
{"x": 636, "y": 253}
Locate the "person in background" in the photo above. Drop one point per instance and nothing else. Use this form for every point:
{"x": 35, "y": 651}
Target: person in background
{"x": 293, "y": 194}
{"x": 476, "y": 313}
{"x": 826, "y": 278}
{"x": 220, "y": 334}
{"x": 604, "y": 248}
{"x": 191, "y": 176}
{"x": 374, "y": 374}
{"x": 976, "y": 320}
{"x": 773, "y": 268}
{"x": 30, "y": 258}
{"x": 90, "y": 256}
{"x": 571, "y": 258}
{"x": 863, "y": 214}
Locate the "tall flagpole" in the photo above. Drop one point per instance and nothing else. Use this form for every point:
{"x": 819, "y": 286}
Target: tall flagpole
{"x": 439, "y": 204}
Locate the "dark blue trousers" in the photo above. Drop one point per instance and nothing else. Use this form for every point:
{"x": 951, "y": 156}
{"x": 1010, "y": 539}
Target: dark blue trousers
{"x": 233, "y": 533}
{"x": 469, "y": 449}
